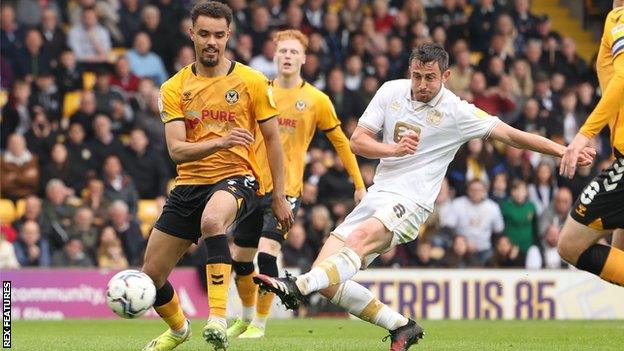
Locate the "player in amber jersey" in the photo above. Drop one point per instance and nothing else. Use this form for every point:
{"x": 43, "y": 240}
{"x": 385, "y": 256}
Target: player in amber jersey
{"x": 598, "y": 211}
{"x": 302, "y": 110}
{"x": 211, "y": 110}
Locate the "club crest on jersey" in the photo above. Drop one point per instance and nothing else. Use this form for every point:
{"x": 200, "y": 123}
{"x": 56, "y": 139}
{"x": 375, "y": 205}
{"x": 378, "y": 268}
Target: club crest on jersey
{"x": 186, "y": 96}
{"x": 434, "y": 117}
{"x": 231, "y": 96}
{"x": 300, "y": 105}
{"x": 395, "y": 105}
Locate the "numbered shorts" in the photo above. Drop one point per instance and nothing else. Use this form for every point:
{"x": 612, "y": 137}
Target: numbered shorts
{"x": 601, "y": 204}
{"x": 399, "y": 215}
{"x": 181, "y": 215}
{"x": 262, "y": 223}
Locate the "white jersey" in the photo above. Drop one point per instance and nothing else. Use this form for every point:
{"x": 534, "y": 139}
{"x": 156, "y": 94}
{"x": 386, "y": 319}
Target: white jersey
{"x": 444, "y": 123}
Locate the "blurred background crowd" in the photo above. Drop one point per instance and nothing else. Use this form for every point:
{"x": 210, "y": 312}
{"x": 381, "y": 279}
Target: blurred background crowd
{"x": 84, "y": 166}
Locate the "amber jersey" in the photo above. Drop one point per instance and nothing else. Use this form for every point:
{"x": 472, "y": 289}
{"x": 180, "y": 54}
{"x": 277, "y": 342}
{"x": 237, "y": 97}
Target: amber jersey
{"x": 302, "y": 110}
{"x": 210, "y": 108}
{"x": 610, "y": 68}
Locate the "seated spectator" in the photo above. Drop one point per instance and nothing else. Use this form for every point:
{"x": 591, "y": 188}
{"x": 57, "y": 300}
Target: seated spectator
{"x": 83, "y": 229}
{"x": 129, "y": 20}
{"x": 128, "y": 231}
{"x": 461, "y": 72}
{"x": 54, "y": 38}
{"x": 568, "y": 118}
{"x": 296, "y": 253}
{"x": 543, "y": 188}
{"x": 264, "y": 61}
{"x": 477, "y": 218}
{"x": 79, "y": 154}
{"x": 123, "y": 77}
{"x": 185, "y": 57}
{"x": 8, "y": 259}
{"x": 89, "y": 40}
{"x": 104, "y": 143}
{"x": 319, "y": 227}
{"x": 60, "y": 167}
{"x": 146, "y": 166}
{"x": 244, "y": 48}
{"x": 31, "y": 249}
{"x": 556, "y": 212}
{"x": 573, "y": 67}
{"x": 521, "y": 79}
{"x": 506, "y": 255}
{"x": 160, "y": 36}
{"x": 388, "y": 259}
{"x": 552, "y": 259}
{"x": 530, "y": 121}
{"x": 351, "y": 15}
{"x": 32, "y": 60}
{"x": 59, "y": 211}
{"x": 149, "y": 121}
{"x": 110, "y": 253}
{"x": 498, "y": 192}
{"x": 32, "y": 212}
{"x": 422, "y": 257}
{"x": 19, "y": 169}
{"x": 86, "y": 113}
{"x": 492, "y": 100}
{"x": 143, "y": 62}
{"x": 16, "y": 116}
{"x": 68, "y": 72}
{"x": 93, "y": 197}
{"x": 12, "y": 35}
{"x": 47, "y": 95}
{"x": 336, "y": 183}
{"x": 72, "y": 255}
{"x": 41, "y": 136}
{"x": 520, "y": 217}
{"x": 473, "y": 161}
{"x": 118, "y": 185}
{"x": 458, "y": 256}
{"x": 105, "y": 94}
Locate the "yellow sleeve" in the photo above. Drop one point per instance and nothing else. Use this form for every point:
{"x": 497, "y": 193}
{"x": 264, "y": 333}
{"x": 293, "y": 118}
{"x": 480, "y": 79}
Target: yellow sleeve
{"x": 326, "y": 118}
{"x": 341, "y": 144}
{"x": 612, "y": 99}
{"x": 263, "y": 104}
{"x": 169, "y": 101}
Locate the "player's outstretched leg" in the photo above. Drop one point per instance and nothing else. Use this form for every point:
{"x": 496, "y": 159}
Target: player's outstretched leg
{"x": 218, "y": 267}
{"x": 578, "y": 245}
{"x": 247, "y": 292}
{"x": 361, "y": 303}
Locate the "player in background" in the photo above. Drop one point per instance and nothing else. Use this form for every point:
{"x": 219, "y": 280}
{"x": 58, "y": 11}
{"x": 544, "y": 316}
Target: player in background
{"x": 416, "y": 113}
{"x": 302, "y": 109}
{"x": 599, "y": 210}
{"x": 211, "y": 110}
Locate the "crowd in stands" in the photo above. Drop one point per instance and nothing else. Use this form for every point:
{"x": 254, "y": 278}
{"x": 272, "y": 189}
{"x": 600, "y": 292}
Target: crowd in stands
{"x": 84, "y": 155}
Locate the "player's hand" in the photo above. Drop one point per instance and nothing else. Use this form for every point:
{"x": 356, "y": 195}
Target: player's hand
{"x": 572, "y": 154}
{"x": 586, "y": 156}
{"x": 237, "y": 137}
{"x": 358, "y": 195}
{"x": 407, "y": 145}
{"x": 283, "y": 212}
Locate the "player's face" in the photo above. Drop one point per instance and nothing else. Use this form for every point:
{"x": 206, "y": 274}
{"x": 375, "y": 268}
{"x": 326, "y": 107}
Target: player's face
{"x": 289, "y": 57}
{"x": 210, "y": 36}
{"x": 427, "y": 80}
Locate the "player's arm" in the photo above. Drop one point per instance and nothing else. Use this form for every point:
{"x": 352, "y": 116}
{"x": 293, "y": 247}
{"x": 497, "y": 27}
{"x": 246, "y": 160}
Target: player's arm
{"x": 182, "y": 151}
{"x": 340, "y": 142}
{"x": 364, "y": 143}
{"x": 523, "y": 140}
{"x": 273, "y": 144}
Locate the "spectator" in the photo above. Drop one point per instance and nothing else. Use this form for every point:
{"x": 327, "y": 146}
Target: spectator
{"x": 93, "y": 198}
{"x": 521, "y": 80}
{"x": 422, "y": 257}
{"x": 319, "y": 226}
{"x": 85, "y": 114}
{"x": 458, "y": 256}
{"x": 32, "y": 60}
{"x": 573, "y": 67}
{"x": 334, "y": 37}
{"x": 263, "y": 62}
{"x": 73, "y": 255}
{"x": 552, "y": 260}
{"x": 525, "y": 21}
{"x": 351, "y": 15}
{"x": 149, "y": 120}
{"x": 185, "y": 57}
{"x": 533, "y": 54}
{"x": 314, "y": 13}
{"x": 145, "y": 63}
{"x": 129, "y": 20}
{"x": 16, "y": 116}
{"x": 388, "y": 259}
{"x": 110, "y": 251}
{"x": 79, "y": 154}
{"x": 296, "y": 253}
{"x": 513, "y": 42}
{"x": 146, "y": 166}
{"x": 481, "y": 24}
{"x": 259, "y": 28}
{"x": 543, "y": 188}
{"x": 41, "y": 136}
{"x": 353, "y": 72}
{"x": 244, "y": 48}
{"x": 19, "y": 169}
{"x": 89, "y": 40}
{"x": 83, "y": 229}
{"x": 277, "y": 12}
{"x": 506, "y": 255}
{"x": 117, "y": 184}
{"x": 46, "y": 94}
{"x": 493, "y": 100}
{"x": 461, "y": 72}
{"x": 529, "y": 120}
{"x": 33, "y": 212}
{"x": 8, "y": 259}
{"x": 104, "y": 144}
{"x": 128, "y": 231}
{"x": 473, "y": 162}
{"x": 106, "y": 95}
{"x": 335, "y": 184}
{"x": 520, "y": 217}
{"x": 477, "y": 218}
{"x": 343, "y": 99}
{"x": 31, "y": 249}
{"x": 54, "y": 38}
{"x": 415, "y": 10}
{"x": 498, "y": 192}
{"x": 398, "y": 57}
{"x": 375, "y": 42}
{"x": 61, "y": 168}
{"x": 556, "y": 212}
{"x": 11, "y": 34}
{"x": 567, "y": 118}
{"x": 68, "y": 72}
{"x": 59, "y": 211}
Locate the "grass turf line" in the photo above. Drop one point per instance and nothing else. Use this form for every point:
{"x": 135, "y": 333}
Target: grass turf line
{"x": 329, "y": 334}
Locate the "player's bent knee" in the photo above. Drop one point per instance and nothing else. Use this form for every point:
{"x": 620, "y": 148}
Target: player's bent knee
{"x": 212, "y": 225}
{"x": 568, "y": 249}
{"x": 270, "y": 246}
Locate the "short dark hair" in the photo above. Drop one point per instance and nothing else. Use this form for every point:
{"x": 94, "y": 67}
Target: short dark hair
{"x": 430, "y": 52}
{"x": 212, "y": 9}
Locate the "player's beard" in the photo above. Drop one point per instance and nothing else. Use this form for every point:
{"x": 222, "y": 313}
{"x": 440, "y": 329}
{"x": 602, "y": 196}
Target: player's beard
{"x": 209, "y": 62}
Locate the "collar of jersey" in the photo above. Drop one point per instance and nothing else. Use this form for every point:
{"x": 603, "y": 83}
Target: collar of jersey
{"x": 230, "y": 70}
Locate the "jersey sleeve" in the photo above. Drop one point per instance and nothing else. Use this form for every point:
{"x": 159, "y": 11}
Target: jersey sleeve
{"x": 326, "y": 118}
{"x": 263, "y": 104}
{"x": 170, "y": 102}
{"x": 373, "y": 117}
{"x": 612, "y": 99}
{"x": 473, "y": 122}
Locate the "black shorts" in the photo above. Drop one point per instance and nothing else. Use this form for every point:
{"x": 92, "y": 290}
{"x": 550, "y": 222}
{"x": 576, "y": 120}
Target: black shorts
{"x": 601, "y": 204}
{"x": 181, "y": 215}
{"x": 262, "y": 222}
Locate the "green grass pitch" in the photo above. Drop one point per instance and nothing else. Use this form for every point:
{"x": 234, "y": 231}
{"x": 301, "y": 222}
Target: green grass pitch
{"x": 329, "y": 334}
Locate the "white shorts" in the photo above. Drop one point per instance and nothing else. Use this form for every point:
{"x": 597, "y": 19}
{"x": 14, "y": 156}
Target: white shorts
{"x": 398, "y": 214}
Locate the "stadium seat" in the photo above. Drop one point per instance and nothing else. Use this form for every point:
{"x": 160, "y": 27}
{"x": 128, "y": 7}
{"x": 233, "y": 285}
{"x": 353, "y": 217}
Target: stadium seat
{"x": 147, "y": 212}
{"x": 20, "y": 208}
{"x": 71, "y": 103}
{"x": 145, "y": 229}
{"x": 475, "y": 57}
{"x": 7, "y": 211}
{"x": 4, "y": 98}
{"x": 88, "y": 80}
{"x": 116, "y": 53}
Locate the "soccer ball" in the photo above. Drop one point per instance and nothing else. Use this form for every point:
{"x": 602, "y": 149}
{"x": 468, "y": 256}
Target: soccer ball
{"x": 130, "y": 293}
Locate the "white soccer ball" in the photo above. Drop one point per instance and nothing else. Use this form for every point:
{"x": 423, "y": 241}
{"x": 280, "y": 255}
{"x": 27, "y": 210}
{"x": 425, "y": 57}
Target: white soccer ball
{"x": 130, "y": 293}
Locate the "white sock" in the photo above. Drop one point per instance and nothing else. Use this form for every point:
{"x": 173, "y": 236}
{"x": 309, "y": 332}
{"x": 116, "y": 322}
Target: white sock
{"x": 333, "y": 270}
{"x": 361, "y": 303}
{"x": 221, "y": 320}
{"x": 248, "y": 313}
{"x": 260, "y": 322}
{"x": 182, "y": 331}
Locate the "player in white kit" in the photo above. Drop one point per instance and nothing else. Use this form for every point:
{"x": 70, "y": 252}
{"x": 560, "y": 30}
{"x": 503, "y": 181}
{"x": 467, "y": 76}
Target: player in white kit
{"x": 423, "y": 125}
